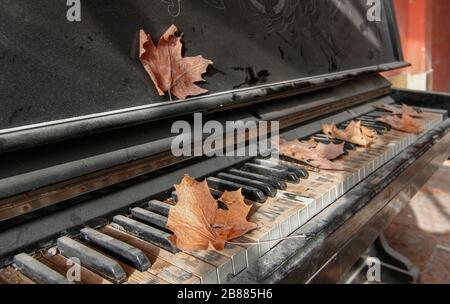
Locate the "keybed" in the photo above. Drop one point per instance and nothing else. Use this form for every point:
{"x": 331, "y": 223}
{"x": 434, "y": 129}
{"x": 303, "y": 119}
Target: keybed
{"x": 283, "y": 203}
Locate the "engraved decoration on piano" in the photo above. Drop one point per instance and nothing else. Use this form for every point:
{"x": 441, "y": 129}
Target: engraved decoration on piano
{"x": 276, "y": 15}
{"x": 218, "y": 4}
{"x": 173, "y": 7}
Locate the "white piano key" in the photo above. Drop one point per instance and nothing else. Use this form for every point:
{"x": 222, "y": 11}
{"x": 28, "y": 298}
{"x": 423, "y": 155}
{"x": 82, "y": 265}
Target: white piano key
{"x": 294, "y": 222}
{"x": 222, "y": 263}
{"x": 333, "y": 196}
{"x": 340, "y": 189}
{"x": 303, "y": 216}
{"x": 238, "y": 257}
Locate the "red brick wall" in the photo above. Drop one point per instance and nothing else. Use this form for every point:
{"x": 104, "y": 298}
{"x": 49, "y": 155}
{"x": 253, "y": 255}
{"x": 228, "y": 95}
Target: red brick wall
{"x": 441, "y": 45}
{"x": 424, "y": 27}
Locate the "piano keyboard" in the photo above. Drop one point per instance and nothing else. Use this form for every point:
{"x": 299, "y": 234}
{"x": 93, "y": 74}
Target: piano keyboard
{"x": 134, "y": 249}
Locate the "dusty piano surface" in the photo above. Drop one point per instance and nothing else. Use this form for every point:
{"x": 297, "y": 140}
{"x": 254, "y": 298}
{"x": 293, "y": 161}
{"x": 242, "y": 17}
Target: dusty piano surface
{"x": 87, "y": 173}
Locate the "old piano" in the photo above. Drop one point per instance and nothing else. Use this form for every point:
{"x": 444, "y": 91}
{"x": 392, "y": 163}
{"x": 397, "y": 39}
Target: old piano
{"x": 86, "y": 169}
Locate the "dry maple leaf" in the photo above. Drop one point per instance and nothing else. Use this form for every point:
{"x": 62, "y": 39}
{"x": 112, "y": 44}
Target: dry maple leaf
{"x": 330, "y": 151}
{"x": 406, "y": 123}
{"x": 232, "y": 223}
{"x": 317, "y": 155}
{"x": 169, "y": 71}
{"x": 399, "y": 111}
{"x": 191, "y": 218}
{"x": 198, "y": 223}
{"x": 354, "y": 133}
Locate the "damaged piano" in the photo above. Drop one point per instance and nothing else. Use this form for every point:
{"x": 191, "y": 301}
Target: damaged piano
{"x": 86, "y": 169}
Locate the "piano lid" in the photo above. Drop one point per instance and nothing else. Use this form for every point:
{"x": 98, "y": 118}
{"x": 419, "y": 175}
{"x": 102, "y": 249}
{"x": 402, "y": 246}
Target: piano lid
{"x": 54, "y": 70}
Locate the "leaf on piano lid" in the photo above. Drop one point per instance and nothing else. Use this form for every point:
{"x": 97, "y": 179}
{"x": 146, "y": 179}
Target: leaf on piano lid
{"x": 354, "y": 133}
{"x": 199, "y": 224}
{"x": 317, "y": 155}
{"x": 405, "y": 123}
{"x": 168, "y": 69}
{"x": 399, "y": 111}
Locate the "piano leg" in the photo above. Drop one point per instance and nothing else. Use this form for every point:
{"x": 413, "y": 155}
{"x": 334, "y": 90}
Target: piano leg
{"x": 394, "y": 265}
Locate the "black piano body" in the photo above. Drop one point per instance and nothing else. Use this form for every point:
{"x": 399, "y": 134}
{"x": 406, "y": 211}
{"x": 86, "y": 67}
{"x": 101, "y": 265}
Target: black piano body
{"x": 84, "y": 136}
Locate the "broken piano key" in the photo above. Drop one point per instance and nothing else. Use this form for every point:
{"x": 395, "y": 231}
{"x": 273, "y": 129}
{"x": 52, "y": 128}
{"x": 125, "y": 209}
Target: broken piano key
{"x": 92, "y": 259}
{"x": 149, "y": 217}
{"x": 145, "y": 232}
{"x": 37, "y": 271}
{"x": 119, "y": 249}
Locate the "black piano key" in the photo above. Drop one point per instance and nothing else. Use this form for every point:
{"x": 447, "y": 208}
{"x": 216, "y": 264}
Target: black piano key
{"x": 92, "y": 259}
{"x": 379, "y": 129}
{"x": 292, "y": 175}
{"x": 284, "y": 175}
{"x": 378, "y": 114}
{"x": 37, "y": 271}
{"x": 266, "y": 188}
{"x": 159, "y": 207}
{"x": 372, "y": 121}
{"x": 145, "y": 232}
{"x": 248, "y": 192}
{"x": 301, "y": 173}
{"x": 174, "y": 196}
{"x": 117, "y": 248}
{"x": 321, "y": 140}
{"x": 274, "y": 182}
{"x": 149, "y": 217}
{"x": 216, "y": 193}
{"x": 379, "y": 123}
{"x": 347, "y": 145}
{"x": 322, "y": 136}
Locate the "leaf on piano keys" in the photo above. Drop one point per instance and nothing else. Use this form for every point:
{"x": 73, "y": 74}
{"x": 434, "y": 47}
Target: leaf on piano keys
{"x": 199, "y": 224}
{"x": 330, "y": 151}
{"x": 405, "y": 123}
{"x": 354, "y": 133}
{"x": 399, "y": 111}
{"x": 232, "y": 223}
{"x": 168, "y": 69}
{"x": 317, "y": 155}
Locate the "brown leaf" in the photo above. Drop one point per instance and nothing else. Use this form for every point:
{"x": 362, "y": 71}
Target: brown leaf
{"x": 191, "y": 218}
{"x": 232, "y": 223}
{"x": 354, "y": 133}
{"x": 198, "y": 223}
{"x": 168, "y": 69}
{"x": 399, "y": 111}
{"x": 405, "y": 123}
{"x": 318, "y": 155}
{"x": 330, "y": 151}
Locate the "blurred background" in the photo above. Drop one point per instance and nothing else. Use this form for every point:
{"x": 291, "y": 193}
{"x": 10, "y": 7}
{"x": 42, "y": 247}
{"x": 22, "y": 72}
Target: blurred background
{"x": 425, "y": 34}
